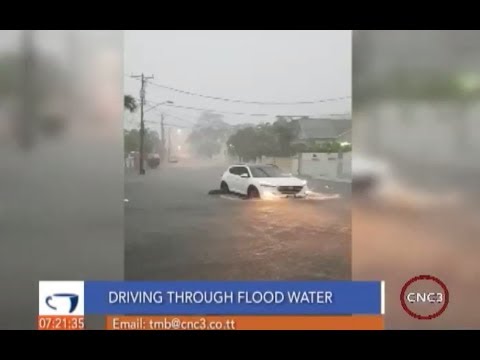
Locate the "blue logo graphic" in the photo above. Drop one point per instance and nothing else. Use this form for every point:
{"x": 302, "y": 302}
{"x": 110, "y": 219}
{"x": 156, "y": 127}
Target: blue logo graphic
{"x": 73, "y": 301}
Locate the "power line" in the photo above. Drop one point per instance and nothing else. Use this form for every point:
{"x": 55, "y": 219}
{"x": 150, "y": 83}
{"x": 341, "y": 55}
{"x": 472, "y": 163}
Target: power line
{"x": 178, "y": 117}
{"x": 159, "y": 104}
{"x": 249, "y": 102}
{"x": 208, "y": 110}
{"x": 167, "y": 124}
{"x": 178, "y": 126}
{"x": 245, "y": 114}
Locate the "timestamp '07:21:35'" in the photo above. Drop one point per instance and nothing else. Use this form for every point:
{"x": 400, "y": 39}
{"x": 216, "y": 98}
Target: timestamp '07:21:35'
{"x": 61, "y": 322}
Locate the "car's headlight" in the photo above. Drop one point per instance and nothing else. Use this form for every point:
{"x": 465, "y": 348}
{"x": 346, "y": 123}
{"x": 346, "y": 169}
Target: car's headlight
{"x": 267, "y": 185}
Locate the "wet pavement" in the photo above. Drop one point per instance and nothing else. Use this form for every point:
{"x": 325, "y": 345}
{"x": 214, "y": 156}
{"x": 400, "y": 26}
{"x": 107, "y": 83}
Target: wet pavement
{"x": 174, "y": 230}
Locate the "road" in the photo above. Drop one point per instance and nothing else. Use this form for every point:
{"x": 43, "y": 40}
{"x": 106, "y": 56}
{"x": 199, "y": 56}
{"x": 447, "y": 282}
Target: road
{"x": 174, "y": 230}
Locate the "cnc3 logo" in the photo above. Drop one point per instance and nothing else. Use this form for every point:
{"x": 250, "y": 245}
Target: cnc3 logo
{"x": 70, "y": 301}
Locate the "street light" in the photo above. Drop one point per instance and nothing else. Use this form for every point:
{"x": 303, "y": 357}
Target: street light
{"x": 160, "y": 104}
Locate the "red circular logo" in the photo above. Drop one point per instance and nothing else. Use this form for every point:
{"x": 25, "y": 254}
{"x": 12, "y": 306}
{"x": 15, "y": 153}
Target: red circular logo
{"x": 430, "y": 297}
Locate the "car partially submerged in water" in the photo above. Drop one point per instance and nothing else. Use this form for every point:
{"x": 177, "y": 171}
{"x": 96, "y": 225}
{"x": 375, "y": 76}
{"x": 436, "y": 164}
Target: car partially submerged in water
{"x": 262, "y": 181}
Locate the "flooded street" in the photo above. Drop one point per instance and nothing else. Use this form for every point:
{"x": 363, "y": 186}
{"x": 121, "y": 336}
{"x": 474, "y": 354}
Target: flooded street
{"x": 175, "y": 230}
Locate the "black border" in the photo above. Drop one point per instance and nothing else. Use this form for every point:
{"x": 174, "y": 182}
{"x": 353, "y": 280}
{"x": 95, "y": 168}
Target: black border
{"x": 235, "y": 15}
{"x": 249, "y": 344}
{"x": 372, "y": 339}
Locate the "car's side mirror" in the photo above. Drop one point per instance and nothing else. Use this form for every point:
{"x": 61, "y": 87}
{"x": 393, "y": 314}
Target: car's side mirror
{"x": 244, "y": 176}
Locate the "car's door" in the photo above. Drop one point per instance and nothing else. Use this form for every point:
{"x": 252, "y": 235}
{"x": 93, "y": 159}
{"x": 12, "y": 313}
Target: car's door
{"x": 233, "y": 178}
{"x": 242, "y": 184}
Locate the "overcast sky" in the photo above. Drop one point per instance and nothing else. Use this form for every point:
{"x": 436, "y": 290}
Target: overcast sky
{"x": 278, "y": 66}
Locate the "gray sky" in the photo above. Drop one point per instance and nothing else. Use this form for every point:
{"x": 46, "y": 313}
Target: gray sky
{"x": 251, "y": 65}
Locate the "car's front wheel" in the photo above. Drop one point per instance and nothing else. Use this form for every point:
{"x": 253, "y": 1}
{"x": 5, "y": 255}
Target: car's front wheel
{"x": 224, "y": 187}
{"x": 253, "y": 193}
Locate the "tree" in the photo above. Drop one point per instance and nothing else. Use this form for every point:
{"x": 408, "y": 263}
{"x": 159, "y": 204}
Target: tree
{"x": 264, "y": 140}
{"x": 208, "y": 134}
{"x": 328, "y": 147}
{"x": 244, "y": 143}
{"x": 286, "y": 131}
{"x": 129, "y": 103}
{"x": 131, "y": 139}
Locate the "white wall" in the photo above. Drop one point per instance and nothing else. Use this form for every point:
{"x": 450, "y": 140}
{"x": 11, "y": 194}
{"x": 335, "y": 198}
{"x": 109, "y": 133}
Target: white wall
{"x": 287, "y": 164}
{"x": 319, "y": 165}
{"x": 316, "y": 165}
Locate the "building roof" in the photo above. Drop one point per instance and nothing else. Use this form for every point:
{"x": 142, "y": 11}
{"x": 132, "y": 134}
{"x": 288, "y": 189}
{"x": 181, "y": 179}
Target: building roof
{"x": 323, "y": 128}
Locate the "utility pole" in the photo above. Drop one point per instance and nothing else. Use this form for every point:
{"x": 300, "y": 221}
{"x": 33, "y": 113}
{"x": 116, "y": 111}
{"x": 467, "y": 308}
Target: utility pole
{"x": 163, "y": 137}
{"x": 169, "y": 142}
{"x": 142, "y": 123}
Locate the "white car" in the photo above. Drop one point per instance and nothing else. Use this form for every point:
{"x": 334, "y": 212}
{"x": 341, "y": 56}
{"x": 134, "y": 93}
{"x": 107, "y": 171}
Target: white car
{"x": 262, "y": 181}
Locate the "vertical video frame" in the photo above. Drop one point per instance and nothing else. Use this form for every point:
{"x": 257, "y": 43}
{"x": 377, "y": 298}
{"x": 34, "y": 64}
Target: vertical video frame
{"x": 237, "y": 148}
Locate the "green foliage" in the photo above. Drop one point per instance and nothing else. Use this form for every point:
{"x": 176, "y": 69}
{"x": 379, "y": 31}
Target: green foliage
{"x": 131, "y": 140}
{"x": 328, "y": 147}
{"x": 129, "y": 103}
{"x": 245, "y": 144}
{"x": 264, "y": 140}
{"x": 286, "y": 132}
{"x": 346, "y": 148}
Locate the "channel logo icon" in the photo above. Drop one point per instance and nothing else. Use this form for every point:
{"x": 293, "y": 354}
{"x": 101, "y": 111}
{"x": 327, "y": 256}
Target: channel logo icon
{"x": 52, "y": 300}
{"x": 61, "y": 298}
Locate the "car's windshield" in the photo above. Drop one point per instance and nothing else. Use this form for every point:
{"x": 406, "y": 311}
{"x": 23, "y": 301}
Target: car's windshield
{"x": 266, "y": 171}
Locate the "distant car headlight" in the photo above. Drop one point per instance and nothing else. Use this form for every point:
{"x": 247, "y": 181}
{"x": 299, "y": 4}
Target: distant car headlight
{"x": 268, "y": 185}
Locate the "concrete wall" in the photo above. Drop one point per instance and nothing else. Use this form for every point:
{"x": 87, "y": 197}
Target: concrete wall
{"x": 287, "y": 164}
{"x": 330, "y": 166}
{"x": 316, "y": 165}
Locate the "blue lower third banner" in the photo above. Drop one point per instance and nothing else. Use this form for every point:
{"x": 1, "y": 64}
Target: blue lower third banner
{"x": 234, "y": 297}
